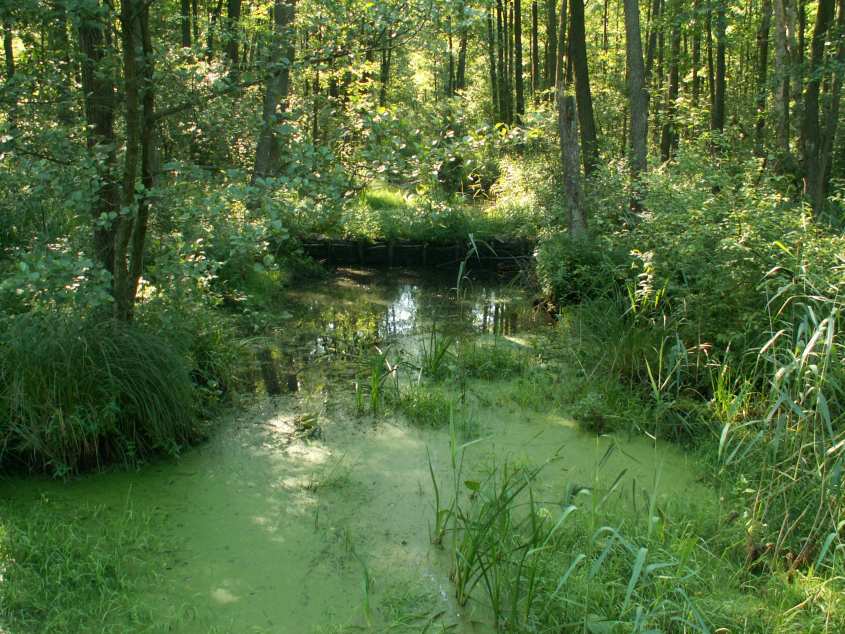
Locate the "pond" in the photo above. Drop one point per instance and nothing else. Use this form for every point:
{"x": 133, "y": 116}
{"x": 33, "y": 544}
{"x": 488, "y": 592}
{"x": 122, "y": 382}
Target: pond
{"x": 313, "y": 511}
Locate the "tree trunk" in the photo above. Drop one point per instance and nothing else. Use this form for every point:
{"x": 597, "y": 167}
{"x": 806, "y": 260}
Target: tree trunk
{"x": 569, "y": 159}
{"x": 551, "y": 44}
{"x": 711, "y": 72}
{"x": 762, "y": 76}
{"x": 811, "y": 129}
{"x": 583, "y": 94}
{"x": 501, "y": 81}
{"x": 195, "y": 15}
{"x": 637, "y": 96}
{"x": 718, "y": 113}
{"x": 696, "y": 54}
{"x": 783, "y": 71}
{"x": 508, "y": 22}
{"x": 535, "y": 50}
{"x": 461, "y": 80}
{"x": 562, "y": 60}
{"x": 276, "y": 88}
{"x": 491, "y": 61}
{"x": 99, "y": 98}
{"x": 233, "y": 40}
{"x": 185, "y": 19}
{"x": 8, "y": 50}
{"x": 832, "y": 109}
{"x": 517, "y": 61}
{"x": 651, "y": 49}
{"x": 669, "y": 135}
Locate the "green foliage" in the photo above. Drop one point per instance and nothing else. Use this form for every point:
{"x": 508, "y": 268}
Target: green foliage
{"x": 77, "y": 394}
{"x": 425, "y": 407}
{"x": 77, "y": 575}
{"x": 499, "y": 360}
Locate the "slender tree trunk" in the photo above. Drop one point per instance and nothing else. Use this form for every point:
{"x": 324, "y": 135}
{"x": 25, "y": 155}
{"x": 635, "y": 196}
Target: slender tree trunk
{"x": 501, "y": 81}
{"x": 517, "y": 62}
{"x": 98, "y": 91}
{"x": 833, "y": 102}
{"x": 562, "y": 60}
{"x": 762, "y": 75}
{"x": 583, "y": 94}
{"x": 450, "y": 78}
{"x": 276, "y": 88}
{"x": 491, "y": 62}
{"x": 149, "y": 159}
{"x": 508, "y": 21}
{"x": 461, "y": 80}
{"x": 696, "y": 54}
{"x": 9, "y": 56}
{"x": 133, "y": 60}
{"x": 637, "y": 96}
{"x": 718, "y": 113}
{"x": 653, "y": 30}
{"x": 233, "y": 40}
{"x": 384, "y": 71}
{"x": 212, "y": 27}
{"x": 669, "y": 135}
{"x": 535, "y": 50}
{"x": 783, "y": 73}
{"x": 551, "y": 44}
{"x": 185, "y": 20}
{"x": 811, "y": 130}
{"x": 195, "y": 15}
{"x": 569, "y": 158}
{"x": 711, "y": 72}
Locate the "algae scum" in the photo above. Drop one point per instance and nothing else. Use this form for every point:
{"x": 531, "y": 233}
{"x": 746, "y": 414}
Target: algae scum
{"x": 315, "y": 511}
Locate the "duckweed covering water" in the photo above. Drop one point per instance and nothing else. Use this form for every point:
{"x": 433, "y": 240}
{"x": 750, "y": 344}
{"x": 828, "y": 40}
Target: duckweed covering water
{"x": 308, "y": 512}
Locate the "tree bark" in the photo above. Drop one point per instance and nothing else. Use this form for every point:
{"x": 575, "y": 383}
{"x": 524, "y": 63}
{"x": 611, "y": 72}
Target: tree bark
{"x": 637, "y": 96}
{"x": 669, "y": 134}
{"x": 569, "y": 158}
{"x": 277, "y": 85}
{"x": 583, "y": 93}
{"x": 562, "y": 60}
{"x": 718, "y": 113}
{"x": 185, "y": 20}
{"x": 833, "y": 103}
{"x": 461, "y": 79}
{"x": 551, "y": 44}
{"x": 517, "y": 62}
{"x": 696, "y": 54}
{"x": 783, "y": 73}
{"x": 8, "y": 50}
{"x": 535, "y": 50}
{"x": 98, "y": 91}
{"x": 491, "y": 62}
{"x": 233, "y": 20}
{"x": 762, "y": 76}
{"x": 501, "y": 81}
{"x": 811, "y": 129}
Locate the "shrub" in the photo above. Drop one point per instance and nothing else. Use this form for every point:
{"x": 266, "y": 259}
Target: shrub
{"x": 572, "y": 271}
{"x": 77, "y": 394}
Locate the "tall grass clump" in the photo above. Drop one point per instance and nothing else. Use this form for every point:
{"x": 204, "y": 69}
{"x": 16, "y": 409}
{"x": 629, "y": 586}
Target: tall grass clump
{"x": 80, "y": 393}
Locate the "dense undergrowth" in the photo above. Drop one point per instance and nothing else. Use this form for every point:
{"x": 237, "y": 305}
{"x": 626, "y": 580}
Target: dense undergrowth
{"x": 719, "y": 313}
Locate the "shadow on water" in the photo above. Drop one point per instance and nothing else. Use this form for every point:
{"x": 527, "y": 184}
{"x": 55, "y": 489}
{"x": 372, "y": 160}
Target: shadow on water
{"x": 301, "y": 515}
